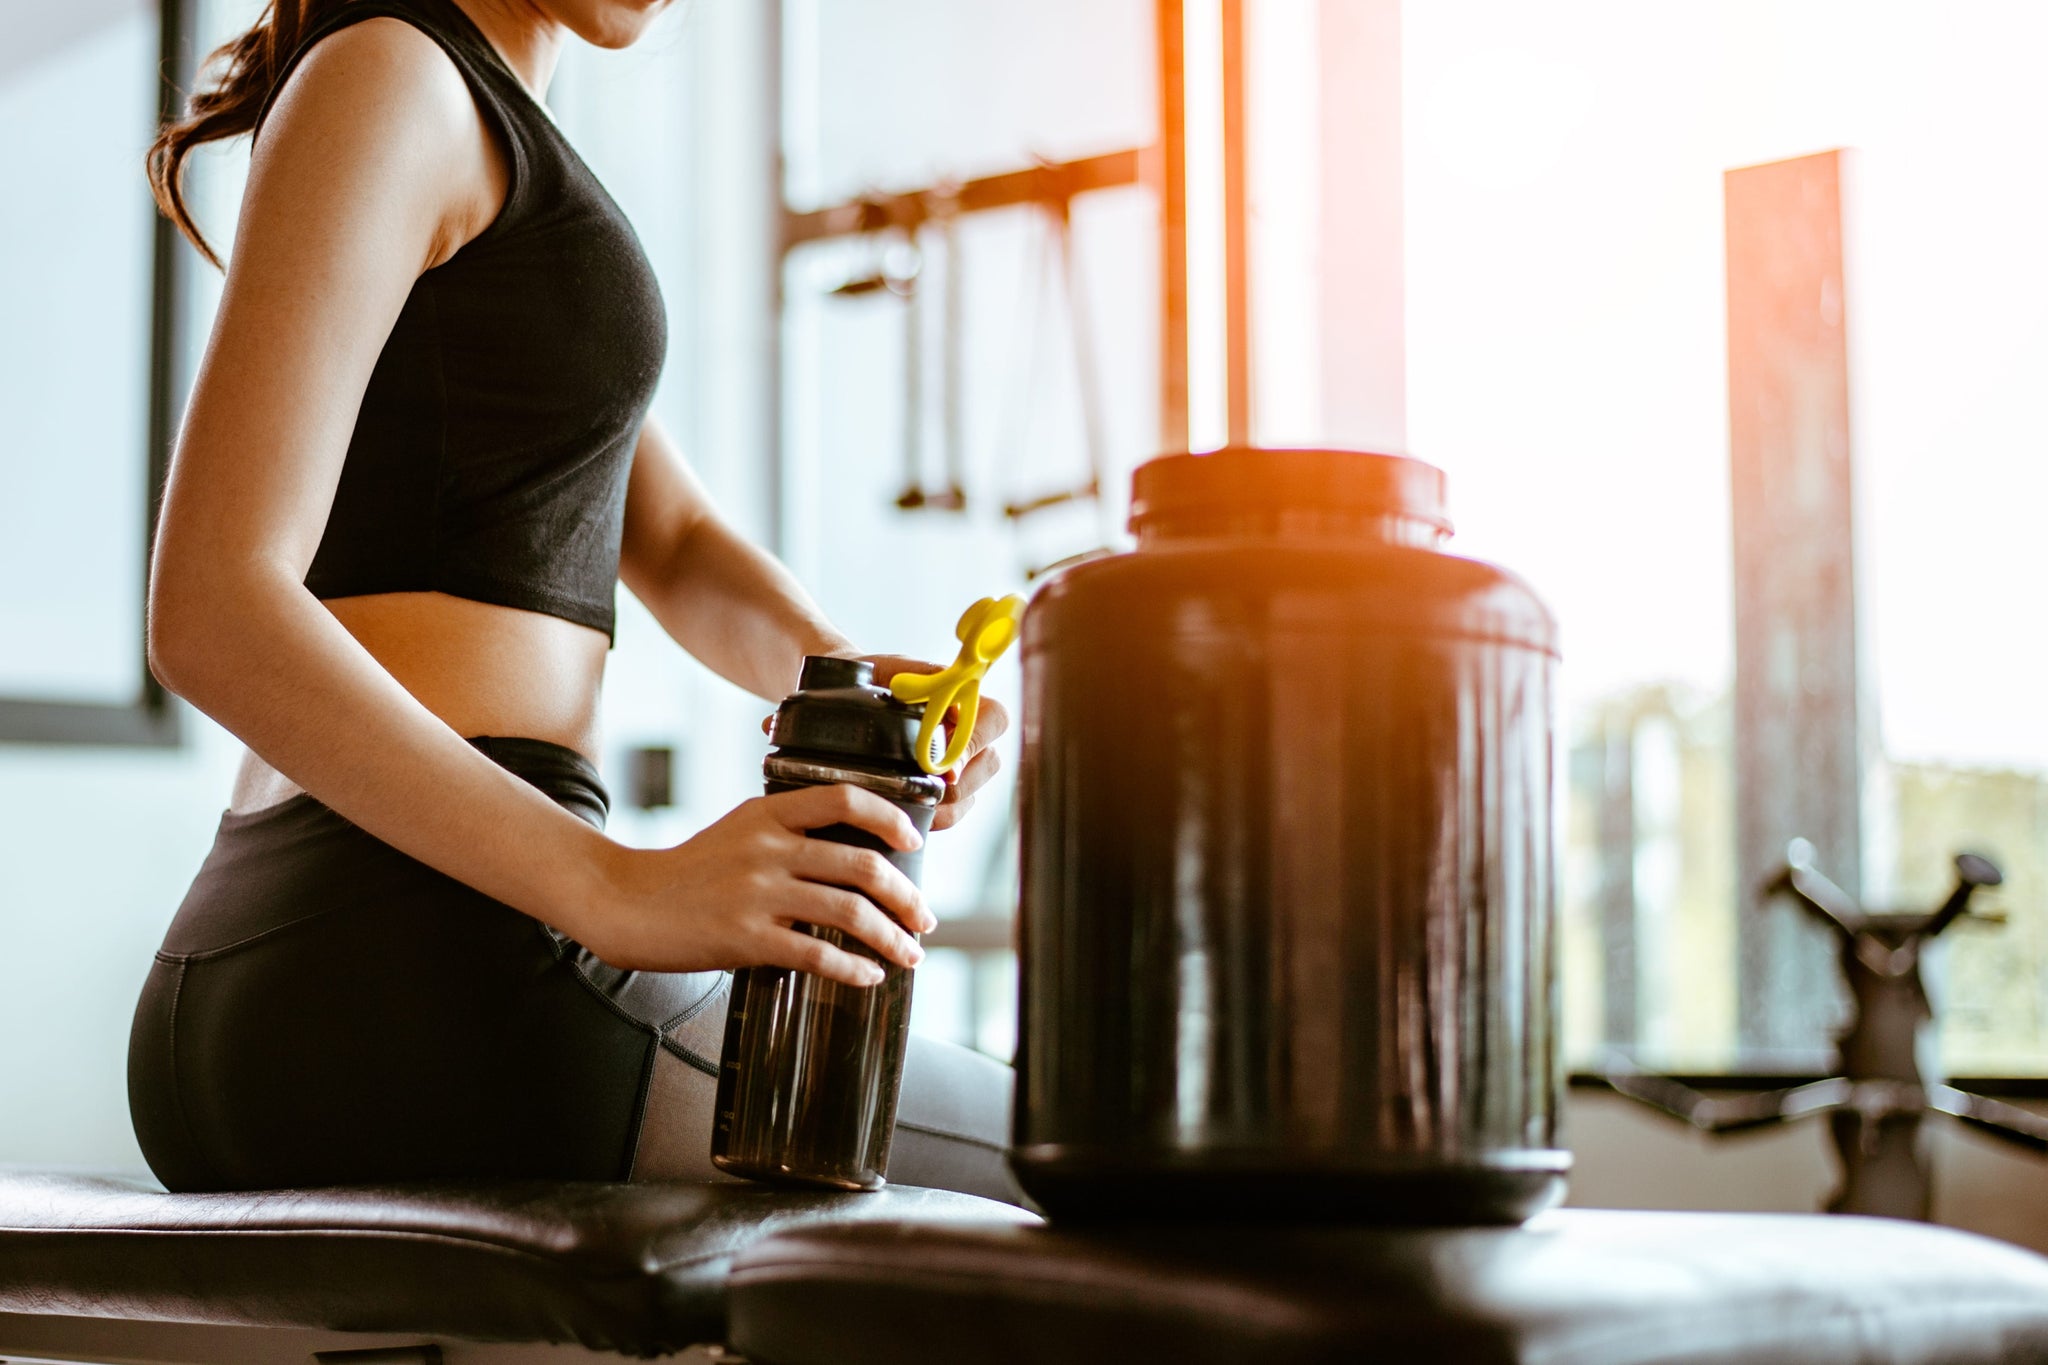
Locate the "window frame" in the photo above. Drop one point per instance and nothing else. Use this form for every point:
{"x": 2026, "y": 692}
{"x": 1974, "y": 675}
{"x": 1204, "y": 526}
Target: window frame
{"x": 151, "y": 718}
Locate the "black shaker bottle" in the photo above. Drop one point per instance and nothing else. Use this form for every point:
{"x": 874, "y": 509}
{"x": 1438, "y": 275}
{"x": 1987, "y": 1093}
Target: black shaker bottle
{"x": 808, "y": 1079}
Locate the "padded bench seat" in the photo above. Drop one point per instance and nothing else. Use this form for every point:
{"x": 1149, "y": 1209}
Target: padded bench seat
{"x": 638, "y": 1269}
{"x": 1574, "y": 1287}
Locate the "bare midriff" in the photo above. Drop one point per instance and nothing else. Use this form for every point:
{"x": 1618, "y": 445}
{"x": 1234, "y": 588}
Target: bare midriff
{"x": 483, "y": 669}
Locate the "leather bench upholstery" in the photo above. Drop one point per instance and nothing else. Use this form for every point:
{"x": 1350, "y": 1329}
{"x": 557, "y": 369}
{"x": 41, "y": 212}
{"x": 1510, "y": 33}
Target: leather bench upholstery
{"x": 1580, "y": 1286}
{"x": 638, "y": 1269}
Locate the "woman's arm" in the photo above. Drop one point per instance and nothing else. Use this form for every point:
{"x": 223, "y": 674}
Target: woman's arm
{"x": 373, "y": 167}
{"x": 740, "y": 611}
{"x": 728, "y": 602}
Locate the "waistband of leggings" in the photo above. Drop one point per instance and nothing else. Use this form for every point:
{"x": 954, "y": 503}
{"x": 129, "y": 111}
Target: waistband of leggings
{"x": 556, "y": 769}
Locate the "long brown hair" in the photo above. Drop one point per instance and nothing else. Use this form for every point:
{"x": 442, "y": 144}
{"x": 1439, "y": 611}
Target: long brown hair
{"x": 236, "y": 80}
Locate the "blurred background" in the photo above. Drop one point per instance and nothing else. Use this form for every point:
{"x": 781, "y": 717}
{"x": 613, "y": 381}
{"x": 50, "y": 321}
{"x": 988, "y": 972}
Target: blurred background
{"x": 913, "y": 258}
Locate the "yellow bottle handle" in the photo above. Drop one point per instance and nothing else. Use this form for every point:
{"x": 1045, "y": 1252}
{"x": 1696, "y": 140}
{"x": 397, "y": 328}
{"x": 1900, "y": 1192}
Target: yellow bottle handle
{"x": 986, "y": 629}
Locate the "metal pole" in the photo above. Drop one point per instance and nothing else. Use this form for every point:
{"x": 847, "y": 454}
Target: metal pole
{"x": 1172, "y": 177}
{"x": 777, "y": 495}
{"x": 1050, "y": 184}
{"x": 1237, "y": 323}
{"x": 170, "y": 294}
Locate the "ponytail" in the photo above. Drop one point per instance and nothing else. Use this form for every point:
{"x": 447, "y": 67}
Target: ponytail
{"x": 243, "y": 74}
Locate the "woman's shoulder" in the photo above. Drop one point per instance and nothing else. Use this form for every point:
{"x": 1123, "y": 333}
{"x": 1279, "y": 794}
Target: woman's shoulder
{"x": 382, "y": 108}
{"x": 380, "y": 69}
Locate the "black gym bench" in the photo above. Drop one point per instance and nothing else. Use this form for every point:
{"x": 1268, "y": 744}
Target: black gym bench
{"x": 114, "y": 1271}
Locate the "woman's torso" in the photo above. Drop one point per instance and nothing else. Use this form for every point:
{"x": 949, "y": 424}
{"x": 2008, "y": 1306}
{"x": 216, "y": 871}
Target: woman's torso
{"x": 473, "y": 544}
{"x": 482, "y": 668}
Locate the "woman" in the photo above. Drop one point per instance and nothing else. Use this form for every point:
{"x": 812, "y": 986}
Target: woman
{"x": 415, "y": 463}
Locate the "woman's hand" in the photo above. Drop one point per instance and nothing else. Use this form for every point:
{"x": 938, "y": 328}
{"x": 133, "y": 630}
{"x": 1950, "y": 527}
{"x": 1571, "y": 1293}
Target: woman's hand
{"x": 731, "y": 896}
{"x": 981, "y": 762}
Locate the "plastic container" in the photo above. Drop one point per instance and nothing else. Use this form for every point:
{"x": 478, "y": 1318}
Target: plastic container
{"x": 810, "y": 1071}
{"x": 1286, "y": 927}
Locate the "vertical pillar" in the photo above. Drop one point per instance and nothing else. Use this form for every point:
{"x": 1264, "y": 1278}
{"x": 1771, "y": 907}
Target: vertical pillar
{"x": 1797, "y": 759}
{"x": 1363, "y": 306}
{"x": 771, "y": 201}
{"x": 170, "y": 310}
{"x": 1237, "y": 291}
{"x": 1613, "y": 783}
{"x": 1170, "y": 177}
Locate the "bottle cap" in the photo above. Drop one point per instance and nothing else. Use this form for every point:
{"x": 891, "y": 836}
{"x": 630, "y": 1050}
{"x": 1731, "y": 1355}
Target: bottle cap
{"x": 1190, "y": 494}
{"x": 837, "y": 709}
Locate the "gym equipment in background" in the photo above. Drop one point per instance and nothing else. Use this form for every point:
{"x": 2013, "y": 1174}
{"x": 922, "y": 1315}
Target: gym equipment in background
{"x": 1876, "y": 1104}
{"x": 1059, "y": 271}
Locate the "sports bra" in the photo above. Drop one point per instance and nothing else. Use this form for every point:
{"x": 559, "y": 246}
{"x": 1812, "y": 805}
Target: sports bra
{"x": 490, "y": 454}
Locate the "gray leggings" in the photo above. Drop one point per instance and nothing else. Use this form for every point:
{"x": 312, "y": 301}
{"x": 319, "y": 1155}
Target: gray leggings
{"x": 327, "y": 1010}
{"x": 952, "y": 1122}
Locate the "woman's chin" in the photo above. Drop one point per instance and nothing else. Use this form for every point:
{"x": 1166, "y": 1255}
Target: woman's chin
{"x": 610, "y": 24}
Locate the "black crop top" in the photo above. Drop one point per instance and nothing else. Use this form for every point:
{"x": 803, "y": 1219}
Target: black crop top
{"x": 490, "y": 455}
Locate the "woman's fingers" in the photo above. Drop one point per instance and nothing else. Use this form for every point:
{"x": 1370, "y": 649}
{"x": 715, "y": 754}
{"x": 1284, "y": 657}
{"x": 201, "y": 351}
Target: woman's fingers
{"x": 887, "y": 666}
{"x": 952, "y": 813}
{"x": 974, "y": 774}
{"x": 961, "y": 787}
{"x": 816, "y": 807}
{"x": 864, "y": 870}
{"x": 991, "y": 723}
{"x": 795, "y": 949}
{"x": 854, "y": 914}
